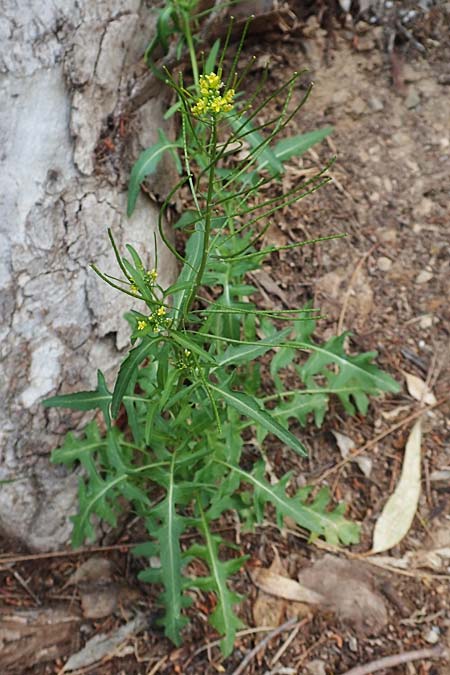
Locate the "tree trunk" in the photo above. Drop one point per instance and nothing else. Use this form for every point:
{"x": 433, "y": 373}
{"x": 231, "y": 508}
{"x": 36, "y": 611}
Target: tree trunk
{"x": 66, "y": 69}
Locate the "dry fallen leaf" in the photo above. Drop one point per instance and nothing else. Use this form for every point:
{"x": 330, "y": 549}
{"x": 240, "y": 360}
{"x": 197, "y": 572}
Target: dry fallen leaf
{"x": 418, "y": 389}
{"x": 269, "y": 610}
{"x": 95, "y": 569}
{"x": 284, "y": 587}
{"x": 346, "y": 445}
{"x": 399, "y": 511}
{"x": 102, "y": 644}
{"x": 349, "y": 589}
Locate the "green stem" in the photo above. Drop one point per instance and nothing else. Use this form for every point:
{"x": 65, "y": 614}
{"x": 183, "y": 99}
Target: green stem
{"x": 208, "y": 217}
{"x": 191, "y": 48}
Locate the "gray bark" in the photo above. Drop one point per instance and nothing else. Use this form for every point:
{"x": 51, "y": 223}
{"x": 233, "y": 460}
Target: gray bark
{"x": 66, "y": 67}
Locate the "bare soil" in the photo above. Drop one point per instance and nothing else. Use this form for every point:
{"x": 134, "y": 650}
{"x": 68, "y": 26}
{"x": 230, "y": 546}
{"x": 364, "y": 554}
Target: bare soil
{"x": 388, "y": 283}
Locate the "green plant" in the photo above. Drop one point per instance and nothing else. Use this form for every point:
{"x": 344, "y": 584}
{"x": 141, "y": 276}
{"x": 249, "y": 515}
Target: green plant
{"x": 198, "y": 427}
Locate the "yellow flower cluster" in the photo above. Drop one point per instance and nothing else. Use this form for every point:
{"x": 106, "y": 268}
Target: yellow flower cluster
{"x": 157, "y": 321}
{"x": 210, "y": 100}
{"x": 150, "y": 278}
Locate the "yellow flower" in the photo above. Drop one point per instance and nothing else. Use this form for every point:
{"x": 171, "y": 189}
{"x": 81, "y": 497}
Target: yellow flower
{"x": 199, "y": 108}
{"x": 141, "y": 325}
{"x": 151, "y": 275}
{"x": 134, "y": 289}
{"x": 216, "y": 104}
{"x": 212, "y": 80}
{"x": 161, "y": 311}
{"x": 210, "y": 101}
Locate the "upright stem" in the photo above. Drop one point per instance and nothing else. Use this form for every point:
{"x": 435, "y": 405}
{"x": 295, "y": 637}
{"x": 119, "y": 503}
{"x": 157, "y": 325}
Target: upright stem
{"x": 208, "y": 215}
{"x": 191, "y": 48}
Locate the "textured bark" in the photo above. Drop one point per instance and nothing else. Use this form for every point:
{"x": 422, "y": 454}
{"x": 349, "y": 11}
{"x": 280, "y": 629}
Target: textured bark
{"x": 65, "y": 69}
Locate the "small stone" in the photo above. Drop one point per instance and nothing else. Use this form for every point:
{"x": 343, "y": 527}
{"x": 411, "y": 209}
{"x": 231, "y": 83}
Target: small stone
{"x": 401, "y": 138}
{"x": 98, "y": 603}
{"x": 358, "y": 106}
{"x": 424, "y": 277}
{"x": 388, "y": 235}
{"x": 316, "y": 667}
{"x": 375, "y": 104}
{"x": 387, "y": 184}
{"x": 413, "y": 99}
{"x": 432, "y": 637}
{"x": 353, "y": 643}
{"x": 340, "y": 96}
{"x": 426, "y": 321}
{"x": 409, "y": 74}
{"x": 384, "y": 264}
{"x": 423, "y": 208}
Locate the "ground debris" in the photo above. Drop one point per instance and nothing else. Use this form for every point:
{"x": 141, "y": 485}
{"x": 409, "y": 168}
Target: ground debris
{"x": 348, "y": 588}
{"x": 32, "y": 636}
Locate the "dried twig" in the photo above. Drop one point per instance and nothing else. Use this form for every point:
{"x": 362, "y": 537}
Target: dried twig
{"x": 261, "y": 645}
{"x": 8, "y": 559}
{"x": 397, "y": 660}
{"x": 286, "y": 644}
{"x": 25, "y": 585}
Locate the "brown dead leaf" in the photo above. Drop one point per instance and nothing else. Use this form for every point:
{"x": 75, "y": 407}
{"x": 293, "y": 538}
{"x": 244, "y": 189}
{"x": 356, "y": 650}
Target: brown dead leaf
{"x": 268, "y": 610}
{"x": 283, "y": 587}
{"x": 95, "y": 569}
{"x": 398, "y": 513}
{"x": 98, "y": 602}
{"x": 279, "y": 596}
{"x": 346, "y": 445}
{"x": 418, "y": 389}
{"x": 348, "y": 589}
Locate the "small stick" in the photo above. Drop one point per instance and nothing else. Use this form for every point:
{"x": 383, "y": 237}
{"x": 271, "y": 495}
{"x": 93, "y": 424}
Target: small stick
{"x": 287, "y": 642}
{"x": 380, "y": 436}
{"x": 6, "y": 559}
{"x": 261, "y": 645}
{"x": 25, "y": 585}
{"x": 397, "y": 660}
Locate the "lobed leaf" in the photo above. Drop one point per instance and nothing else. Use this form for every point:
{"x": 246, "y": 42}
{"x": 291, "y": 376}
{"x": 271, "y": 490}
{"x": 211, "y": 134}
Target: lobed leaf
{"x": 249, "y": 407}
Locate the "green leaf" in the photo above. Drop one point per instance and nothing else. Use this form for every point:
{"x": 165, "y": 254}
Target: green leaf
{"x": 356, "y": 376}
{"x": 187, "y": 276}
{"x": 168, "y": 533}
{"x": 294, "y": 146}
{"x": 244, "y": 353}
{"x": 145, "y": 165}
{"x": 191, "y": 345}
{"x": 248, "y": 407}
{"x": 314, "y": 517}
{"x": 93, "y": 498}
{"x": 212, "y": 56}
{"x": 299, "y": 406}
{"x": 223, "y": 618}
{"x": 266, "y": 156}
{"x": 85, "y": 400}
{"x": 75, "y": 449}
{"x": 128, "y": 369}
